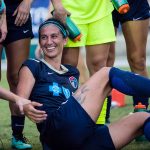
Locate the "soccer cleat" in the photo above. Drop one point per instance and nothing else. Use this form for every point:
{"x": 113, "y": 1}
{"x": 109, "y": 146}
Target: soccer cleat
{"x": 20, "y": 143}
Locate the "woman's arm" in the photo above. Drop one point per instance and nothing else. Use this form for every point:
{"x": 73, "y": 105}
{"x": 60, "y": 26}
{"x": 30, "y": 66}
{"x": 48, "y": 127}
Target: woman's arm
{"x": 60, "y": 12}
{"x": 22, "y": 12}
{"x": 9, "y": 96}
{"x": 24, "y": 88}
{"x": 25, "y": 83}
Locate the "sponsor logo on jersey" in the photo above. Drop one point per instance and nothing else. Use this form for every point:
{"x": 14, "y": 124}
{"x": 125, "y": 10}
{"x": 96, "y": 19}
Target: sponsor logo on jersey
{"x": 55, "y": 89}
{"x": 66, "y": 92}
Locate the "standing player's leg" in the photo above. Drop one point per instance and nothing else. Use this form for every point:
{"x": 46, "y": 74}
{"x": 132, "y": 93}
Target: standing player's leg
{"x": 136, "y": 49}
{"x": 17, "y": 52}
{"x": 101, "y": 35}
{"x": 96, "y": 59}
{"x": 70, "y": 56}
{"x": 84, "y": 75}
{"x": 110, "y": 63}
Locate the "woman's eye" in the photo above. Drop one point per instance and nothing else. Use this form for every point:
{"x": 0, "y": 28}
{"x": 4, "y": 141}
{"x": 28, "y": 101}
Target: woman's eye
{"x": 54, "y": 36}
{"x": 43, "y": 37}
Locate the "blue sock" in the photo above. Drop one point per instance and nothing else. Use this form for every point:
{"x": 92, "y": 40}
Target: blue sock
{"x": 147, "y": 129}
{"x": 129, "y": 83}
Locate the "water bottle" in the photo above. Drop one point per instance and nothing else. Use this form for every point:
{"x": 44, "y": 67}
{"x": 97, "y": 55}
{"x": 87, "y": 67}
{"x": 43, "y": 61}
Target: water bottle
{"x": 121, "y": 6}
{"x": 140, "y": 108}
{"x": 74, "y": 32}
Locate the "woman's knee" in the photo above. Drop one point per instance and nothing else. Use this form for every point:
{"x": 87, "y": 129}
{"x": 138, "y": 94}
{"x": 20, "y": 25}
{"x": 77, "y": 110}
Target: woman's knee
{"x": 138, "y": 64}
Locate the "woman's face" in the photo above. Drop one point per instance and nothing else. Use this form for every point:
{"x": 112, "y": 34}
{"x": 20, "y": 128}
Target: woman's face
{"x": 51, "y": 41}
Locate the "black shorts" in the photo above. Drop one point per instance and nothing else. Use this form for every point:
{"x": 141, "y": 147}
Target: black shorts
{"x": 16, "y": 32}
{"x": 71, "y": 128}
{"x": 139, "y": 10}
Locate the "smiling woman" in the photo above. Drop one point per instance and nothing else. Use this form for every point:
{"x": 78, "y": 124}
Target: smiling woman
{"x": 68, "y": 115}
{"x": 52, "y": 42}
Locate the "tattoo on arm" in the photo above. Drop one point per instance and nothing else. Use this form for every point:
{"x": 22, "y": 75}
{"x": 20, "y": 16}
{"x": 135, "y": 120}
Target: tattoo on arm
{"x": 82, "y": 95}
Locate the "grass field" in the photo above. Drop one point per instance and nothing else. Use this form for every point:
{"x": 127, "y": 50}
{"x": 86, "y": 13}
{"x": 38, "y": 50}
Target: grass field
{"x": 31, "y": 131}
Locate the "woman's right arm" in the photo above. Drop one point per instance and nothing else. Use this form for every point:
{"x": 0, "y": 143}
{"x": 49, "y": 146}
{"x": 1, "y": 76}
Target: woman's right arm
{"x": 25, "y": 83}
{"x": 24, "y": 88}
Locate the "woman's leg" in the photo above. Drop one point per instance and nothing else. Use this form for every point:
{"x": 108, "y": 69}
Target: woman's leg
{"x": 91, "y": 95}
{"x": 96, "y": 57}
{"x": 70, "y": 56}
{"x": 17, "y": 52}
{"x": 126, "y": 129}
{"x": 135, "y": 33}
{"x": 84, "y": 75}
{"x": 110, "y": 63}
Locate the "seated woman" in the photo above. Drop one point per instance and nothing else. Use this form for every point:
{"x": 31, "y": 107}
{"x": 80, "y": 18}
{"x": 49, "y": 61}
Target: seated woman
{"x": 66, "y": 121}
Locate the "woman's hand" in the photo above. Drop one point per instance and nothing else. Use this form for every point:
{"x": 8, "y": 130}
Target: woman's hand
{"x": 22, "y": 12}
{"x": 61, "y": 13}
{"x": 33, "y": 114}
{"x": 20, "y": 102}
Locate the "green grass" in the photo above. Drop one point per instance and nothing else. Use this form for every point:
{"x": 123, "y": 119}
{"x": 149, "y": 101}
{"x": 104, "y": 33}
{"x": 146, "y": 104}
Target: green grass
{"x": 32, "y": 134}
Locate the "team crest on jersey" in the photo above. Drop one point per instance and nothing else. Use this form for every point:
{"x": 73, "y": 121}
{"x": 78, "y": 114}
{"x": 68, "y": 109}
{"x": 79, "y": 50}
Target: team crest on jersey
{"x": 73, "y": 81}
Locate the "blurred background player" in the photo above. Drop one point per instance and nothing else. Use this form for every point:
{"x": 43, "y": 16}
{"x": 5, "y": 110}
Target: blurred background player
{"x": 135, "y": 25}
{"x": 16, "y": 31}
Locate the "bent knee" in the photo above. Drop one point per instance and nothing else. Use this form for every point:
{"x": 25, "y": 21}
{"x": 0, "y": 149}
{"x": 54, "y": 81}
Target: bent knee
{"x": 137, "y": 64}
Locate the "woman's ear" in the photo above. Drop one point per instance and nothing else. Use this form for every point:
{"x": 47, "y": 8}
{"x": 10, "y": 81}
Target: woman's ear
{"x": 65, "y": 41}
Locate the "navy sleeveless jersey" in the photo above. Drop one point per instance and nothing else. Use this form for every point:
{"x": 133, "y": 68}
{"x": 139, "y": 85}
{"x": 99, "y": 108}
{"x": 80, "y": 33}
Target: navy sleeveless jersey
{"x": 51, "y": 87}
